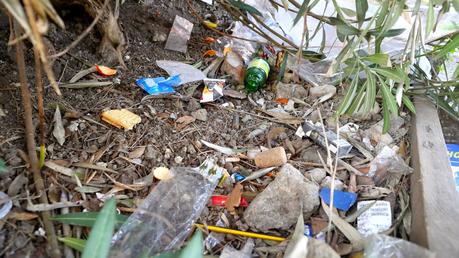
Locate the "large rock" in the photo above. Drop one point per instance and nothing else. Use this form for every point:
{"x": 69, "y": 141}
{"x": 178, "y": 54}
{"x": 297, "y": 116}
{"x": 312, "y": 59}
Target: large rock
{"x": 279, "y": 205}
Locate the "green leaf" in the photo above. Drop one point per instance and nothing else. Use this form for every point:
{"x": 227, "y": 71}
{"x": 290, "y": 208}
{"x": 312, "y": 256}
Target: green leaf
{"x": 349, "y": 97}
{"x": 193, "y": 249}
{"x": 361, "y": 6}
{"x": 357, "y": 101}
{"x": 75, "y": 243}
{"x": 456, "y": 72}
{"x": 450, "y": 46}
{"x": 386, "y": 34}
{"x": 388, "y": 97}
{"x": 417, "y": 5}
{"x": 430, "y": 20}
{"x": 2, "y": 166}
{"x": 303, "y": 9}
{"x": 393, "y": 15}
{"x": 456, "y": 5}
{"x": 394, "y": 74}
{"x": 370, "y": 98}
{"x": 343, "y": 30}
{"x": 408, "y": 104}
{"x": 86, "y": 219}
{"x": 348, "y": 12}
{"x": 386, "y": 117}
{"x": 98, "y": 243}
{"x": 243, "y": 6}
{"x": 380, "y": 59}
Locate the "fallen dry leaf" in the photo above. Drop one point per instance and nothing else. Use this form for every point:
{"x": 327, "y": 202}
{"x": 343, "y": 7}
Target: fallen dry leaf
{"x": 184, "y": 121}
{"x": 234, "y": 198}
{"x": 59, "y": 131}
{"x": 137, "y": 153}
{"x": 22, "y": 215}
{"x": 273, "y": 134}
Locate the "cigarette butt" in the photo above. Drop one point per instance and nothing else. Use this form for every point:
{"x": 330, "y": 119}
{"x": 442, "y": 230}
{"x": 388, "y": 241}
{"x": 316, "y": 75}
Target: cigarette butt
{"x": 241, "y": 233}
{"x": 271, "y": 158}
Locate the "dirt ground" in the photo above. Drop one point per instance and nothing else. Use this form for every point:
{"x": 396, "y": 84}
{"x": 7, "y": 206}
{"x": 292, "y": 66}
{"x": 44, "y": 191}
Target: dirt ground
{"x": 165, "y": 144}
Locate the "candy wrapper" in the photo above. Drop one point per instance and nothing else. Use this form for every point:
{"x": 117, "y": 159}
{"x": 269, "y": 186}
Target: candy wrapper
{"x": 159, "y": 85}
{"x": 213, "y": 90}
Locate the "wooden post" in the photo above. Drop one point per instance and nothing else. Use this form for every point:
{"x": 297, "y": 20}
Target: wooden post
{"x": 434, "y": 200}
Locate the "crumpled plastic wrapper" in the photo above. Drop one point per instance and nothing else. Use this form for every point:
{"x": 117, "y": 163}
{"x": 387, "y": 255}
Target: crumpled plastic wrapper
{"x": 377, "y": 246}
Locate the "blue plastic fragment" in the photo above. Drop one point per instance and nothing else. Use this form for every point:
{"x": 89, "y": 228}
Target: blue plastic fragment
{"x": 341, "y": 200}
{"x": 237, "y": 177}
{"x": 308, "y": 230}
{"x": 159, "y": 85}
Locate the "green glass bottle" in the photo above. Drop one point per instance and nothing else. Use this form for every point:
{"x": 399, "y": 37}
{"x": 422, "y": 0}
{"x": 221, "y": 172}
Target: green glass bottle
{"x": 256, "y": 74}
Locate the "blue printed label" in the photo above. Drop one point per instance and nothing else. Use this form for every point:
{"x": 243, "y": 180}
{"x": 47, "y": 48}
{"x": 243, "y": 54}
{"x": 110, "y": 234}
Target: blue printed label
{"x": 453, "y": 154}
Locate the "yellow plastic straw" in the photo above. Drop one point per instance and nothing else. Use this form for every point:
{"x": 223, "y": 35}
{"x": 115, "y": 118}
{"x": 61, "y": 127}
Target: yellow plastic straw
{"x": 240, "y": 233}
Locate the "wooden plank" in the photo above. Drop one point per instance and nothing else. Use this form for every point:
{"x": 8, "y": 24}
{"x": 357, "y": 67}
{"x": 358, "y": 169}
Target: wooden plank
{"x": 434, "y": 200}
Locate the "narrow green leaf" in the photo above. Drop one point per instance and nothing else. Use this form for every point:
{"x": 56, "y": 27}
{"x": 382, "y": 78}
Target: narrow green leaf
{"x": 382, "y": 14}
{"x": 343, "y": 30}
{"x": 430, "y": 21}
{"x": 408, "y": 104}
{"x": 392, "y": 16}
{"x": 75, "y": 243}
{"x": 386, "y": 34}
{"x": 370, "y": 93}
{"x": 348, "y": 12}
{"x": 243, "y": 6}
{"x": 98, "y": 244}
{"x": 361, "y": 6}
{"x": 386, "y": 117}
{"x": 380, "y": 59}
{"x": 417, "y": 5}
{"x": 388, "y": 97}
{"x": 303, "y": 9}
{"x": 394, "y": 74}
{"x": 85, "y": 219}
{"x": 450, "y": 46}
{"x": 194, "y": 248}
{"x": 357, "y": 101}
{"x": 456, "y": 72}
{"x": 349, "y": 97}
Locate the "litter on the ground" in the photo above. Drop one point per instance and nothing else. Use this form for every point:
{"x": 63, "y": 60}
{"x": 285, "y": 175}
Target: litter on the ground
{"x": 341, "y": 200}
{"x": 213, "y": 90}
{"x": 105, "y": 71}
{"x": 187, "y": 72}
{"x": 376, "y": 219}
{"x": 159, "y": 85}
{"x": 5, "y": 205}
{"x": 121, "y": 118}
{"x": 179, "y": 35}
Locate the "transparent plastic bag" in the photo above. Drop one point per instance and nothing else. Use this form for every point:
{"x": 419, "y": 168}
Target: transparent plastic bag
{"x": 166, "y": 217}
{"x": 377, "y": 246}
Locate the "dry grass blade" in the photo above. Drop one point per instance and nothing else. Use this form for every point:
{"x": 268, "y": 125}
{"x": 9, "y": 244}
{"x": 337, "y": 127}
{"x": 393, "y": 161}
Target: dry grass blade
{"x": 348, "y": 230}
{"x": 38, "y": 44}
{"x": 59, "y": 168}
{"x": 82, "y": 74}
{"x": 92, "y": 166}
{"x": 15, "y": 8}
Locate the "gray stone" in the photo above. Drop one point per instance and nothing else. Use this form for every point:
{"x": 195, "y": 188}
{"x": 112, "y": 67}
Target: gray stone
{"x": 200, "y": 114}
{"x": 339, "y": 185}
{"x": 288, "y": 91}
{"x": 150, "y": 153}
{"x": 317, "y": 175}
{"x": 319, "y": 91}
{"x": 193, "y": 105}
{"x": 159, "y": 36}
{"x": 279, "y": 205}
